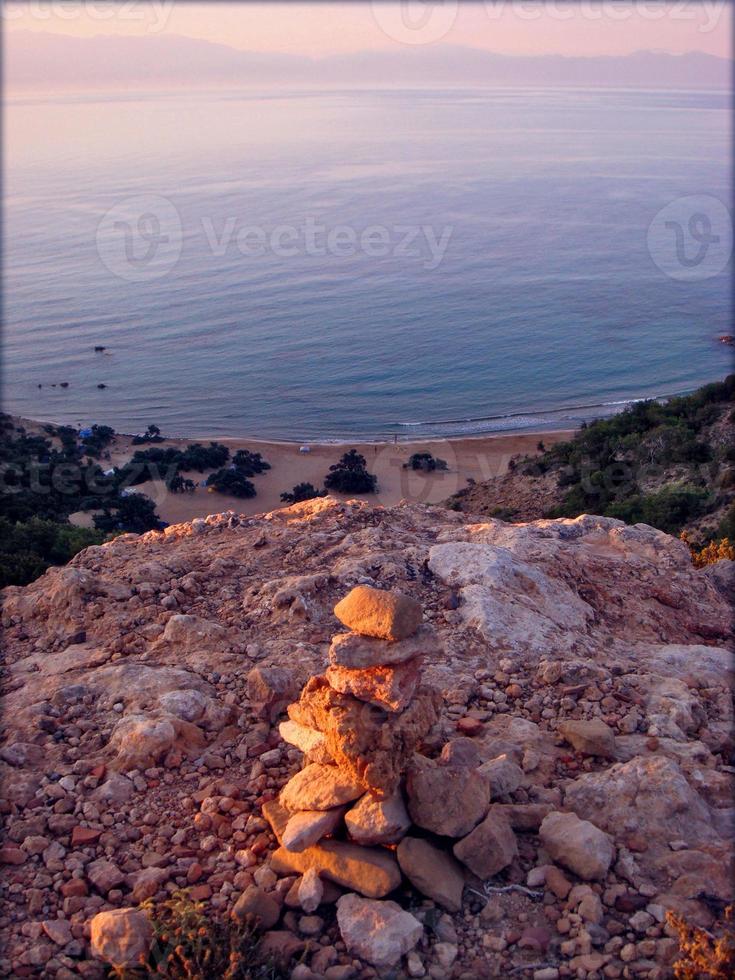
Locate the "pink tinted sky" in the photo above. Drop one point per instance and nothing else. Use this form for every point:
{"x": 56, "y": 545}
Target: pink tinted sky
{"x": 508, "y": 26}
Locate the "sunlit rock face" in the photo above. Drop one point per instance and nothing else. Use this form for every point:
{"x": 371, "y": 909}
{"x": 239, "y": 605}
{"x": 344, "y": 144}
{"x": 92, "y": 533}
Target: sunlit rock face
{"x": 162, "y": 691}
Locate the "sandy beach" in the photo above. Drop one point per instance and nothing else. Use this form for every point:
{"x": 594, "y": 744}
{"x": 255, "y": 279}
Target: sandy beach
{"x": 472, "y": 458}
{"x": 476, "y": 458}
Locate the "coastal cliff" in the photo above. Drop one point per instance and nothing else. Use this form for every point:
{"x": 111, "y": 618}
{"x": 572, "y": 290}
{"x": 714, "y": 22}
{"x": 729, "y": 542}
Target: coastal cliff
{"x": 144, "y": 683}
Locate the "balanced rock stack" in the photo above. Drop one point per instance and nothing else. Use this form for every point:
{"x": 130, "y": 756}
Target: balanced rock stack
{"x": 358, "y": 726}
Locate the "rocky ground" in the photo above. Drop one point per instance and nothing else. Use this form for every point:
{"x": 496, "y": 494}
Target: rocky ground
{"x": 138, "y": 747}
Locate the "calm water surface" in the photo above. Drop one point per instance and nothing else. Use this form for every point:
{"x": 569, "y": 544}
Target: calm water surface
{"x": 151, "y": 226}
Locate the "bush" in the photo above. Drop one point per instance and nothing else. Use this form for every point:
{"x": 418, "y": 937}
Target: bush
{"x": 190, "y": 945}
{"x": 250, "y": 463}
{"x": 301, "y": 492}
{"x": 668, "y": 510}
{"x": 704, "y": 956}
{"x": 231, "y": 481}
{"x": 425, "y": 462}
{"x": 350, "y": 475}
{"x": 151, "y": 434}
{"x": 134, "y": 514}
{"x": 29, "y": 548}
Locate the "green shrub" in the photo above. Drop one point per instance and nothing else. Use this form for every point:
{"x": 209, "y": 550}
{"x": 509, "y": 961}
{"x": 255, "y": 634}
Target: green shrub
{"x": 301, "y": 492}
{"x": 30, "y": 547}
{"x": 231, "y": 481}
{"x": 350, "y": 475}
{"x": 668, "y": 510}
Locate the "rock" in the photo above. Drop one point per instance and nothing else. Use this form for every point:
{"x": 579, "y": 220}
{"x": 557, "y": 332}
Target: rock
{"x": 311, "y": 742}
{"x": 460, "y": 752}
{"x": 306, "y": 827}
{"x": 375, "y": 821}
{"x": 147, "y": 882}
{"x": 277, "y": 816}
{"x": 577, "y": 844}
{"x": 374, "y": 612}
{"x": 270, "y": 689}
{"x": 58, "y": 931}
{"x": 116, "y": 790}
{"x": 590, "y": 737}
{"x": 255, "y": 902}
{"x": 371, "y": 744}
{"x": 360, "y": 652}
{"x": 310, "y": 891}
{"x": 446, "y": 800}
{"x": 391, "y": 688}
{"x": 121, "y": 937}
{"x": 379, "y": 932}
{"x": 279, "y": 946}
{"x": 371, "y": 871}
{"x": 513, "y": 604}
{"x": 141, "y": 740}
{"x": 104, "y": 875}
{"x": 490, "y": 847}
{"x": 504, "y": 775}
{"x": 525, "y": 816}
{"x": 649, "y": 794}
{"x": 189, "y": 705}
{"x": 318, "y": 787}
{"x": 22, "y": 754}
{"x": 432, "y": 872}
{"x": 192, "y": 633}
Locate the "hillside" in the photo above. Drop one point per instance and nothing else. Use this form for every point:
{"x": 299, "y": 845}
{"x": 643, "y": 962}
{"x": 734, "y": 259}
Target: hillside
{"x": 668, "y": 464}
{"x": 582, "y": 662}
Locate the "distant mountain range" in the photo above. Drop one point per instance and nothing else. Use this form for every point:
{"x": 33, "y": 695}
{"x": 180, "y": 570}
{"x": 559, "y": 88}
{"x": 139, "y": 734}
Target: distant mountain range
{"x": 41, "y": 60}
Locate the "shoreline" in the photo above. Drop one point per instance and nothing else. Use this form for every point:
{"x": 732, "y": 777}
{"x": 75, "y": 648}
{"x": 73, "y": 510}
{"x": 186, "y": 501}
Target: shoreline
{"x": 469, "y": 458}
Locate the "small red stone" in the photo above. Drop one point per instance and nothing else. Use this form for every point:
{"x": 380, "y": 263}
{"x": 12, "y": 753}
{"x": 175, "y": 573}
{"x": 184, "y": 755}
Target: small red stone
{"x": 470, "y": 726}
{"x": 84, "y": 835}
{"x": 200, "y": 893}
{"x": 76, "y": 887}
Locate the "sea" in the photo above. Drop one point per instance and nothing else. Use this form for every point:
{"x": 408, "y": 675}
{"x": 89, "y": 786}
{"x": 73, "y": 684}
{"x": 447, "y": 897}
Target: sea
{"x": 356, "y": 264}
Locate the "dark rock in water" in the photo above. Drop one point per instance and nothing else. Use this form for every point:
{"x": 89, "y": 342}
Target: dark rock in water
{"x": 63, "y": 384}
{"x": 727, "y": 338}
{"x": 100, "y": 385}
{"x": 99, "y": 348}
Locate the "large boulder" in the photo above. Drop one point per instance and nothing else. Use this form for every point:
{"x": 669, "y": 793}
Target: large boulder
{"x": 513, "y": 604}
{"x": 490, "y": 847}
{"x": 371, "y": 871}
{"x": 379, "y": 932}
{"x": 121, "y": 937}
{"x": 447, "y": 800}
{"x": 375, "y": 612}
{"x": 432, "y": 872}
{"x": 577, "y": 844}
{"x": 372, "y": 745}
{"x": 258, "y": 904}
{"x": 647, "y": 796}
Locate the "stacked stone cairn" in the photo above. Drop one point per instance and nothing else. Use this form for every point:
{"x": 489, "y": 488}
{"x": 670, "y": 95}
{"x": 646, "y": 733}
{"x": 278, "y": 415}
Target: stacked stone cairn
{"x": 345, "y": 819}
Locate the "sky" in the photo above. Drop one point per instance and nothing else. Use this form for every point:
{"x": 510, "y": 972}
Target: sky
{"x": 613, "y": 27}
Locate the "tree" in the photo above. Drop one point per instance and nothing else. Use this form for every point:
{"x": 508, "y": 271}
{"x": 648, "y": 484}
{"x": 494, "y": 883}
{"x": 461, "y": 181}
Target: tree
{"x": 350, "y": 475}
{"x": 231, "y": 481}
{"x": 250, "y": 463}
{"x": 425, "y": 462}
{"x": 301, "y": 492}
{"x": 134, "y": 514}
